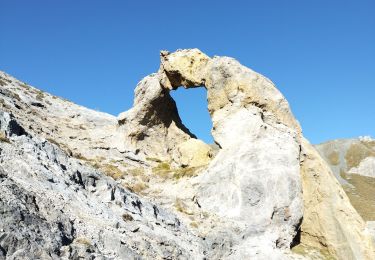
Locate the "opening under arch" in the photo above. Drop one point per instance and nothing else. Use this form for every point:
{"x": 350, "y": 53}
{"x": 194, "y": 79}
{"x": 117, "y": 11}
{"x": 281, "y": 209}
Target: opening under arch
{"x": 193, "y": 110}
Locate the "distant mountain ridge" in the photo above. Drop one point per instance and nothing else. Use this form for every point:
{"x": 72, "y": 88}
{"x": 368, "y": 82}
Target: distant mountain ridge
{"x": 353, "y": 163}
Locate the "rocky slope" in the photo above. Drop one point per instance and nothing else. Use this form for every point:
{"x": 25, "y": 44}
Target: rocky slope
{"x": 353, "y": 163}
{"x": 55, "y": 207}
{"x": 80, "y": 183}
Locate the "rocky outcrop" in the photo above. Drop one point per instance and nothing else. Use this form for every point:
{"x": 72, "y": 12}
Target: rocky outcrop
{"x": 259, "y": 191}
{"x": 257, "y": 136}
{"x": 80, "y": 131}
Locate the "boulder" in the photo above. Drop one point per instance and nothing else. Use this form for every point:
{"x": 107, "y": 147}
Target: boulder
{"x": 193, "y": 153}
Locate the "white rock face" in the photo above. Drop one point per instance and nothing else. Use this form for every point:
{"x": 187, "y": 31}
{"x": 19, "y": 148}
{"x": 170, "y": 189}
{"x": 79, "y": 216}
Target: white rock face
{"x": 255, "y": 179}
{"x": 251, "y": 188}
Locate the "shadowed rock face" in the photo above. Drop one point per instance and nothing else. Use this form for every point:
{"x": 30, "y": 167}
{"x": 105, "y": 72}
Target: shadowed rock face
{"x": 264, "y": 190}
{"x": 153, "y": 126}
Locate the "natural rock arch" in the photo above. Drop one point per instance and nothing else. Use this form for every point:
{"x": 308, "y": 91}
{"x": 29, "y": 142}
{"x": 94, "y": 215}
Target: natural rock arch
{"x": 254, "y": 128}
{"x": 153, "y": 124}
{"x": 254, "y": 184}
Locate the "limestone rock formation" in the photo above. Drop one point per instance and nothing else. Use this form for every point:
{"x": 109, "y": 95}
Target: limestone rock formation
{"x": 256, "y": 176}
{"x": 259, "y": 191}
{"x": 256, "y": 132}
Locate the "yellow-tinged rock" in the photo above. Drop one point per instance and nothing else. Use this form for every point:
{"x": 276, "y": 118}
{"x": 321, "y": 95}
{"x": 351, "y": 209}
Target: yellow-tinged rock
{"x": 193, "y": 153}
{"x": 329, "y": 220}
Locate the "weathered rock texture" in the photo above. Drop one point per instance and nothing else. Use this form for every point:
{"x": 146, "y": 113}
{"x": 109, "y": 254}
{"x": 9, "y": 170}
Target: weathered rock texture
{"x": 54, "y": 207}
{"x": 254, "y": 181}
{"x": 262, "y": 191}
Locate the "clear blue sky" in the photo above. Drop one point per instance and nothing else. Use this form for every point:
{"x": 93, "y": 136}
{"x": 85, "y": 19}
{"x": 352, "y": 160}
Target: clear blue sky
{"x": 320, "y": 54}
